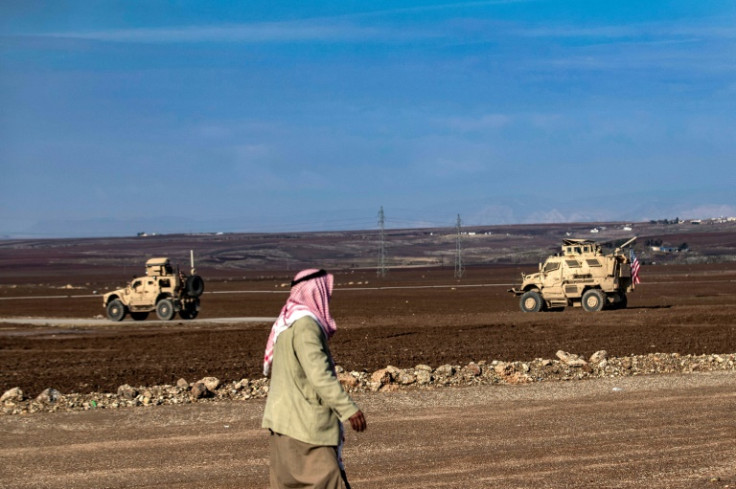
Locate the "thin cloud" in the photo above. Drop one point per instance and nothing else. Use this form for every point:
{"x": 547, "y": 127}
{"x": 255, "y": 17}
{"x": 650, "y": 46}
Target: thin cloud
{"x": 345, "y": 28}
{"x": 271, "y": 32}
{"x": 654, "y": 31}
{"x": 444, "y": 6}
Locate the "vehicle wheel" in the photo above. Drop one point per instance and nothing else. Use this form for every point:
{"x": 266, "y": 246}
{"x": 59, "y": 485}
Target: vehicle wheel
{"x": 622, "y": 301}
{"x": 593, "y": 300}
{"x": 194, "y": 285}
{"x": 165, "y": 309}
{"x": 188, "y": 314}
{"x": 139, "y": 316}
{"x": 115, "y": 310}
{"x": 531, "y": 301}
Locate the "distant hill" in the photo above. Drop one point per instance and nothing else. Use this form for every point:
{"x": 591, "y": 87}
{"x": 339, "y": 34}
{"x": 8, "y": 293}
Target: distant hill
{"x": 683, "y": 242}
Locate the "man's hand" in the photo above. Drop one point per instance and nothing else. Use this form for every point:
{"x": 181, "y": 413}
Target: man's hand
{"x": 357, "y": 421}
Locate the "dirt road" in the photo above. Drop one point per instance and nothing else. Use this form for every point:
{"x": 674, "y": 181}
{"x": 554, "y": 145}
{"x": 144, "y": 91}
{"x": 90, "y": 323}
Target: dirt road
{"x": 641, "y": 432}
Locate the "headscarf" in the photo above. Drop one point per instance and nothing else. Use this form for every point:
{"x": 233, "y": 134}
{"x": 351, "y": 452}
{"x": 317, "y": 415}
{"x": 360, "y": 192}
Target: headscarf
{"x": 310, "y": 295}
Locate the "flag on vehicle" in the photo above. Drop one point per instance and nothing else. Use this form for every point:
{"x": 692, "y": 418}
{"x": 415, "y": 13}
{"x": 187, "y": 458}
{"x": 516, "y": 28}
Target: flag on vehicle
{"x": 635, "y": 266}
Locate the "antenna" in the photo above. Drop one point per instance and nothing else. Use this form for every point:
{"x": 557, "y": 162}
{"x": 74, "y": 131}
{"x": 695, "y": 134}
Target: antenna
{"x": 459, "y": 268}
{"x": 381, "y": 270}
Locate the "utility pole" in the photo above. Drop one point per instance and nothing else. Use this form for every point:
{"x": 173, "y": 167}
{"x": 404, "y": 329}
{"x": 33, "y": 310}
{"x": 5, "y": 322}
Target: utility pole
{"x": 381, "y": 270}
{"x": 459, "y": 268}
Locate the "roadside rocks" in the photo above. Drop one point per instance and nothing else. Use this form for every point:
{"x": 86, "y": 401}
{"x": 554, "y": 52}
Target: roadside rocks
{"x": 599, "y": 357}
{"x": 199, "y": 391}
{"x": 571, "y": 360}
{"x": 127, "y": 392}
{"x": 566, "y": 367}
{"x": 49, "y": 396}
{"x": 12, "y": 395}
{"x": 51, "y": 400}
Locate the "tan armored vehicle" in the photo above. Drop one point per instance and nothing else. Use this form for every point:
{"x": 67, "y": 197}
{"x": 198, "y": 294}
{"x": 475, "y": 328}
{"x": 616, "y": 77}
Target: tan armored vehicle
{"x": 582, "y": 275}
{"x": 162, "y": 289}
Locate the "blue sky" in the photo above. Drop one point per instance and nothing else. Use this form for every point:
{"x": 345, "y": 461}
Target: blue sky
{"x": 124, "y": 116}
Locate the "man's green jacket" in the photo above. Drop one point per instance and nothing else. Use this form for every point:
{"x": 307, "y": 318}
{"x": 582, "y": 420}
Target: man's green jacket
{"x": 305, "y": 399}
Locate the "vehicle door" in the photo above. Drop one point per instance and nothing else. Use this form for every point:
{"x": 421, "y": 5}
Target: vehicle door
{"x": 552, "y": 279}
{"x": 144, "y": 292}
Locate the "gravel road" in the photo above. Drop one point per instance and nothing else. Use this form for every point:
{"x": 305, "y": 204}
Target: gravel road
{"x": 653, "y": 431}
{"x": 62, "y": 322}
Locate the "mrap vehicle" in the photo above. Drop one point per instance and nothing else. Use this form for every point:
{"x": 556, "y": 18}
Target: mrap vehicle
{"x": 162, "y": 290}
{"x": 582, "y": 275}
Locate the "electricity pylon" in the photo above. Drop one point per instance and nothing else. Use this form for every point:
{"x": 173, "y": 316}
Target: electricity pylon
{"x": 381, "y": 270}
{"x": 459, "y": 268}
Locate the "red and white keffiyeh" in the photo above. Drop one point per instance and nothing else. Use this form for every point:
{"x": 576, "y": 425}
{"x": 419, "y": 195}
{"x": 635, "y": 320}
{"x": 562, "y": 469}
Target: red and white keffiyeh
{"x": 310, "y": 296}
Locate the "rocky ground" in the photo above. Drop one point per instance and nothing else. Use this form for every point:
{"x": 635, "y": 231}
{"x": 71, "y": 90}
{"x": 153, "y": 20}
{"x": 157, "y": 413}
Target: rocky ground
{"x": 566, "y": 367}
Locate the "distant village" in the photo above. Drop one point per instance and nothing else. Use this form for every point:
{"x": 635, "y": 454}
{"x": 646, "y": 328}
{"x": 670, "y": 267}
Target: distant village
{"x": 677, "y": 220}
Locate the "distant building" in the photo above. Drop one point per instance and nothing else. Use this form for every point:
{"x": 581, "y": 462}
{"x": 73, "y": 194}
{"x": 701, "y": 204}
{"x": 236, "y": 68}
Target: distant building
{"x": 667, "y": 249}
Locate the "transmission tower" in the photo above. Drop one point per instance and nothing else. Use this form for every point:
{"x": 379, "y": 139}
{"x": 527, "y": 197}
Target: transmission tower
{"x": 381, "y": 270}
{"x": 459, "y": 268}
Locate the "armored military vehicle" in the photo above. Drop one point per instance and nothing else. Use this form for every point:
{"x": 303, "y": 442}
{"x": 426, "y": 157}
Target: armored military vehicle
{"x": 162, "y": 289}
{"x": 582, "y": 275}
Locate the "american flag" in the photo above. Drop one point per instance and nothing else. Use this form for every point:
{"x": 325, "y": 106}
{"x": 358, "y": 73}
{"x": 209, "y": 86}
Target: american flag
{"x": 634, "y": 268}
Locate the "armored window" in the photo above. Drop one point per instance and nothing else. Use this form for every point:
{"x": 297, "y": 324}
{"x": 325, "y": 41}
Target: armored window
{"x": 572, "y": 263}
{"x": 551, "y": 266}
{"x": 164, "y": 282}
{"x": 577, "y": 250}
{"x": 586, "y": 249}
{"x": 592, "y": 262}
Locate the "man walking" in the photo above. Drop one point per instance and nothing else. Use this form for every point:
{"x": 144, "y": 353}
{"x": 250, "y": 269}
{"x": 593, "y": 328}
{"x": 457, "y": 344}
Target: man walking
{"x": 306, "y": 404}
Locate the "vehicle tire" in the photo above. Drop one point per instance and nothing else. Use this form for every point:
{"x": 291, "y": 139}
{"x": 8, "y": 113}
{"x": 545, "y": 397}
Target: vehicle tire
{"x": 622, "y": 301}
{"x": 165, "y": 309}
{"x": 188, "y": 313}
{"x": 531, "y": 301}
{"x": 194, "y": 286}
{"x": 139, "y": 316}
{"x": 115, "y": 310}
{"x": 593, "y": 300}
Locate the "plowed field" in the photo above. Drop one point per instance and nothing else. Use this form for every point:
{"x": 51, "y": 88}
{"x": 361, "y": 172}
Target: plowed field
{"x": 408, "y": 318}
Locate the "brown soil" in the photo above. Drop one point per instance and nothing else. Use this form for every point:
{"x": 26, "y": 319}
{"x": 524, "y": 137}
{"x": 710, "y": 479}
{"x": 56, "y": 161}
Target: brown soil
{"x": 416, "y": 316}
